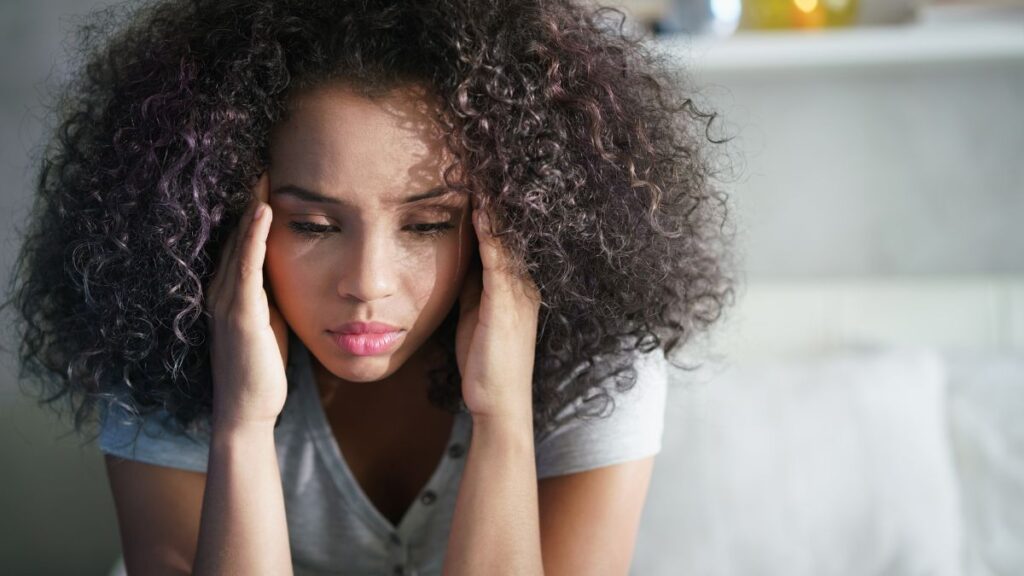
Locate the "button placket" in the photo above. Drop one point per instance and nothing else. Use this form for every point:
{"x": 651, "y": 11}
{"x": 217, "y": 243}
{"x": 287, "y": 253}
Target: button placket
{"x": 399, "y": 555}
{"x": 456, "y": 451}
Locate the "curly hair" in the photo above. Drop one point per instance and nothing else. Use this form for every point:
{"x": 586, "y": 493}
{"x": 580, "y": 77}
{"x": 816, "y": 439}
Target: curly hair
{"x": 578, "y": 137}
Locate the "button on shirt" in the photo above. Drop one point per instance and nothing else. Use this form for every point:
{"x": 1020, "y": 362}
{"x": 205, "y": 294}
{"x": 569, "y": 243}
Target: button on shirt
{"x": 456, "y": 451}
{"x": 333, "y": 527}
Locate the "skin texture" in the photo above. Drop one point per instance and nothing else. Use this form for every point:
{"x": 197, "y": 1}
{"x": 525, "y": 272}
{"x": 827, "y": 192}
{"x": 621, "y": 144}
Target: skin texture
{"x": 378, "y": 259}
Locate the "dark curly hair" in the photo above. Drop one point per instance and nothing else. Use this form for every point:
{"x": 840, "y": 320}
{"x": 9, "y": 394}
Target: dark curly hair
{"x": 577, "y": 136}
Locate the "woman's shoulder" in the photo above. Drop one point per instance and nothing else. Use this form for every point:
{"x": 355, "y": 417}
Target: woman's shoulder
{"x": 153, "y": 437}
{"x": 629, "y": 427}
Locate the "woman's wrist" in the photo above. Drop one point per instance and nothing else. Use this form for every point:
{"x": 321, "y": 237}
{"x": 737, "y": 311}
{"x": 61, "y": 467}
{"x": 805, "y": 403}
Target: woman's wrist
{"x": 508, "y": 427}
{"x": 228, "y": 425}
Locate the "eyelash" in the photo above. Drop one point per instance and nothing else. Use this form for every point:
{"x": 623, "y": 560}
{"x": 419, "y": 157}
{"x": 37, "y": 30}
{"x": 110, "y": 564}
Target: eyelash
{"x": 310, "y": 230}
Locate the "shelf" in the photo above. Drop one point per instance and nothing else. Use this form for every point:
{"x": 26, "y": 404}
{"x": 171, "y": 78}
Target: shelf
{"x": 932, "y": 39}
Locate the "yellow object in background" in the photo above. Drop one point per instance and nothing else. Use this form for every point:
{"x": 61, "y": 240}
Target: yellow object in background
{"x": 768, "y": 14}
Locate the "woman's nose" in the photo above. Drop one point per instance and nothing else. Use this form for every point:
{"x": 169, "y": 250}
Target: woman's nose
{"x": 370, "y": 271}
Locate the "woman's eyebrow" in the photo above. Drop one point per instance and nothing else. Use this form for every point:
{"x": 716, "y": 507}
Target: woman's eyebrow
{"x": 307, "y": 195}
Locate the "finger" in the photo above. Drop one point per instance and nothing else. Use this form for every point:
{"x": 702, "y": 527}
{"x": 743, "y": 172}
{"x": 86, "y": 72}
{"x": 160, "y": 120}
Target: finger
{"x": 490, "y": 248}
{"x": 227, "y": 270}
{"x": 262, "y": 189}
{"x": 500, "y": 270}
{"x": 223, "y": 281}
{"x": 252, "y": 254}
{"x": 223, "y": 265}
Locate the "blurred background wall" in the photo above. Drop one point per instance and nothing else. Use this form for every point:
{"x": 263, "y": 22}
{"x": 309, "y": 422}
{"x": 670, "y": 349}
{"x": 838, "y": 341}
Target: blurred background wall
{"x": 57, "y": 514}
{"x": 869, "y": 151}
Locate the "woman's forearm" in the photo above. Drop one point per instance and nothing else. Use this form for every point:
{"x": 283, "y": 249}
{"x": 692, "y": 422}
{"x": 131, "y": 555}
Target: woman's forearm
{"x": 496, "y": 526}
{"x": 243, "y": 529}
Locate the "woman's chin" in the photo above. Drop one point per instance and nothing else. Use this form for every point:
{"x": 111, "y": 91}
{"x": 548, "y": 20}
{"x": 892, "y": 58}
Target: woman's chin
{"x": 361, "y": 368}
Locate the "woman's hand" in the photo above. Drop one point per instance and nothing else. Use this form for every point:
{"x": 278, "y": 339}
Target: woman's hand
{"x": 249, "y": 337}
{"x": 497, "y": 333}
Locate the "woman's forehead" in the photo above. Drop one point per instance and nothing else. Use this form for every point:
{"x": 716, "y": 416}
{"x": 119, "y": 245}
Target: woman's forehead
{"x": 410, "y": 106}
{"x": 337, "y": 138}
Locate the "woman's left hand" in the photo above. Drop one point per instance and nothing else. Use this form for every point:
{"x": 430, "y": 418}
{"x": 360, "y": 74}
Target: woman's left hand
{"x": 497, "y": 333}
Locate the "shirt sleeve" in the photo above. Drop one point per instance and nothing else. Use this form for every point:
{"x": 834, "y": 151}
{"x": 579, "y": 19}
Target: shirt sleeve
{"x": 152, "y": 438}
{"x": 632, "y": 431}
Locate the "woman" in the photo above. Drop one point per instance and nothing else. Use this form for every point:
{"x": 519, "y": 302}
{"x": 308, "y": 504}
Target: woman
{"x": 371, "y": 287}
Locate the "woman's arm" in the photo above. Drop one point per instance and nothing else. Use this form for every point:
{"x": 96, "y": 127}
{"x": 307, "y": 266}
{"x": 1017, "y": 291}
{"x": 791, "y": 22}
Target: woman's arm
{"x": 243, "y": 529}
{"x": 589, "y": 520}
{"x": 496, "y": 529}
{"x": 158, "y": 513}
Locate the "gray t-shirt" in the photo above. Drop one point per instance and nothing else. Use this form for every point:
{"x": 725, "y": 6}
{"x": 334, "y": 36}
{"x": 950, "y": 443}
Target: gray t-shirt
{"x": 333, "y": 527}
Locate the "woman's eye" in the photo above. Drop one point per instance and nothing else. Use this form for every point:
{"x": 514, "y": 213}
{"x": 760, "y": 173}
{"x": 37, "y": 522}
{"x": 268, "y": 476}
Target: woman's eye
{"x": 433, "y": 229}
{"x": 310, "y": 229}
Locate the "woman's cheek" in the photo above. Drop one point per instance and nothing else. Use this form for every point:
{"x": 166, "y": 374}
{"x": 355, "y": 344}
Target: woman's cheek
{"x": 450, "y": 266}
{"x": 282, "y": 270}
{"x": 272, "y": 262}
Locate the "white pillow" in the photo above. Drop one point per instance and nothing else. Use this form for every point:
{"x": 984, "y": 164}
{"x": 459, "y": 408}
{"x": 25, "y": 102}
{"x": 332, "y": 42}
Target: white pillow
{"x": 827, "y": 466}
{"x": 986, "y": 396}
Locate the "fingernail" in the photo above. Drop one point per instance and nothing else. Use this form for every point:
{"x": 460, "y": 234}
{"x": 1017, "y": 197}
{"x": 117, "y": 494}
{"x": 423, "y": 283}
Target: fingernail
{"x": 485, "y": 222}
{"x": 260, "y": 210}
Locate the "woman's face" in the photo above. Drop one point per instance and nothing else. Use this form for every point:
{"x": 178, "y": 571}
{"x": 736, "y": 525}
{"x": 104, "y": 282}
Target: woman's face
{"x": 350, "y": 241}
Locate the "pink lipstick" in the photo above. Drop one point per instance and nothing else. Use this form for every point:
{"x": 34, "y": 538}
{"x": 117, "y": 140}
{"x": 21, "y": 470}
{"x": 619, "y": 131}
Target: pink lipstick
{"x": 366, "y": 338}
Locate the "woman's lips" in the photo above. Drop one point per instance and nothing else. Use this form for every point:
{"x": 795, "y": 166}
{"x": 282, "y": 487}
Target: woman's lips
{"x": 364, "y": 327}
{"x": 367, "y": 344}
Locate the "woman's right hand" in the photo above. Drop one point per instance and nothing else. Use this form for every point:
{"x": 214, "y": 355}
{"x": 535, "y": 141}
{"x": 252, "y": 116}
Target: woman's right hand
{"x": 249, "y": 337}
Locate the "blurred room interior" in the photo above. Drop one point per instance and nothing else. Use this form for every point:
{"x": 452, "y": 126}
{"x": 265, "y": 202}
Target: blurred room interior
{"x": 857, "y": 411}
